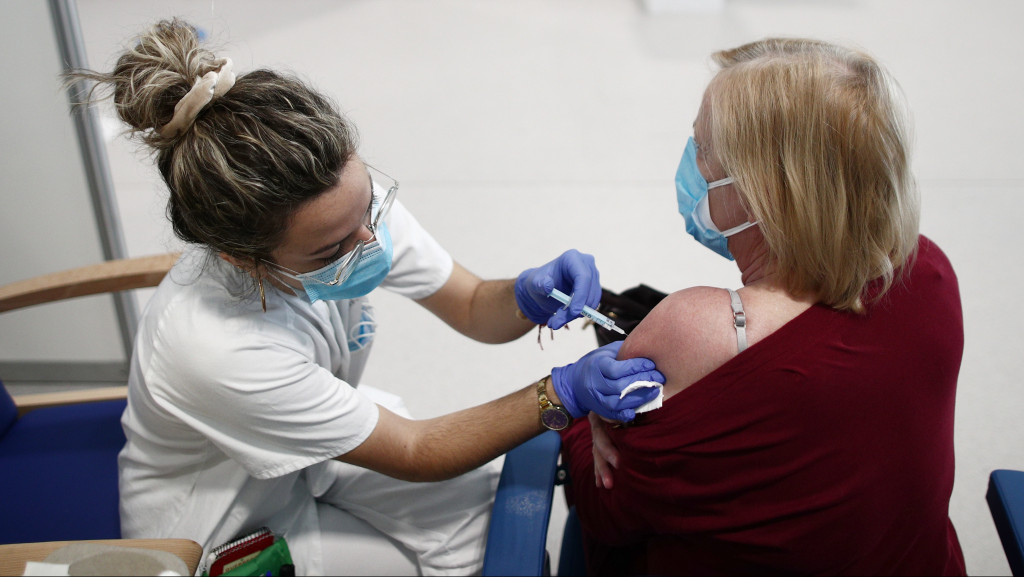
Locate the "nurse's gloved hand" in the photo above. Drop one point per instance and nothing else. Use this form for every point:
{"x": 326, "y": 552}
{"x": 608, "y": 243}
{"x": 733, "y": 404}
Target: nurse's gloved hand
{"x": 574, "y": 273}
{"x": 595, "y": 382}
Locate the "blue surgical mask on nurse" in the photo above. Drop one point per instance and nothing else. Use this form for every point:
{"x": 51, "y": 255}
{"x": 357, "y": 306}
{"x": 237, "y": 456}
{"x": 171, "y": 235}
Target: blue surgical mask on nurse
{"x": 692, "y": 194}
{"x": 371, "y": 268}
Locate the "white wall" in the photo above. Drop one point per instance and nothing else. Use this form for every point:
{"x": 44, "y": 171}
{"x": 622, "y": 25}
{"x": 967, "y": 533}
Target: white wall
{"x": 46, "y": 219}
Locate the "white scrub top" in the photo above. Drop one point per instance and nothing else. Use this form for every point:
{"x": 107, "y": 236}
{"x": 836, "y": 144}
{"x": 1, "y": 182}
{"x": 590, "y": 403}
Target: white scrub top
{"x": 232, "y": 412}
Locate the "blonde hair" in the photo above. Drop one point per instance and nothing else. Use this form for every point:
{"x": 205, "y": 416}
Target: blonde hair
{"x": 252, "y": 156}
{"x": 816, "y": 136}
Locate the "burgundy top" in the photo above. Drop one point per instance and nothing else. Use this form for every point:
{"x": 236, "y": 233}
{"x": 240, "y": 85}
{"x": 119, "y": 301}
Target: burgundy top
{"x": 826, "y": 448}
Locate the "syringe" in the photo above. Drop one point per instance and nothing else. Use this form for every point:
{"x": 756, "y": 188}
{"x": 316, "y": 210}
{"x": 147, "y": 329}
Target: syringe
{"x": 587, "y": 312}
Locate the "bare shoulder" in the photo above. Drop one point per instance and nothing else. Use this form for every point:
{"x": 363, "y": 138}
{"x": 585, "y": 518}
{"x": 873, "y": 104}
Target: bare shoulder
{"x": 681, "y": 315}
{"x": 688, "y": 335}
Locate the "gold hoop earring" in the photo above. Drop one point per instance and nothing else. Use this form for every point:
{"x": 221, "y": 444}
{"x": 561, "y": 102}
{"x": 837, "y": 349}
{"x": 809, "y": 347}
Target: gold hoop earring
{"x": 263, "y": 296}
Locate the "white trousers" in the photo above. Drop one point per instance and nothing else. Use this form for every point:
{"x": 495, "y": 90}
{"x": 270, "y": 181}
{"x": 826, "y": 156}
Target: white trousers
{"x": 372, "y": 524}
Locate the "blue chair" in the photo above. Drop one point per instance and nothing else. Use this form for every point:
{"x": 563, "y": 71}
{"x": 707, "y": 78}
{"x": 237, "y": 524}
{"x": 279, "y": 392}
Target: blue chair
{"x": 517, "y": 537}
{"x": 58, "y": 451}
{"x": 1005, "y": 498}
{"x": 58, "y": 471}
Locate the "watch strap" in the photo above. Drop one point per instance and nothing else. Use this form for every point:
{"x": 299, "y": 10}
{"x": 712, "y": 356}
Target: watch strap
{"x": 542, "y": 393}
{"x": 552, "y": 416}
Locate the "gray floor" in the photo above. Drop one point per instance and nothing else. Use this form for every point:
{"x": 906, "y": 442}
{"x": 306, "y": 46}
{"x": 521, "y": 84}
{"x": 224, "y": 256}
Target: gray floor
{"x": 519, "y": 129}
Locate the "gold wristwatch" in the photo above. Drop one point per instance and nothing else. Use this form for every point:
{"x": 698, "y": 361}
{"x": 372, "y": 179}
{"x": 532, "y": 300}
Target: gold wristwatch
{"x": 552, "y": 416}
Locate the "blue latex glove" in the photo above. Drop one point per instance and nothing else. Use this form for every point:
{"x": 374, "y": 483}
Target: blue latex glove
{"x": 573, "y": 273}
{"x": 594, "y": 383}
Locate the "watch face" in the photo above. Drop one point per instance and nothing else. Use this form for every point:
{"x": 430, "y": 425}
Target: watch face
{"x": 554, "y": 419}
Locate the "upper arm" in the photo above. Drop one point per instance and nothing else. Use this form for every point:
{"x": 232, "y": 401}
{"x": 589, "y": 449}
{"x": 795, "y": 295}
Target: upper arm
{"x": 451, "y": 303}
{"x": 268, "y": 407}
{"x": 388, "y": 449}
{"x": 687, "y": 335}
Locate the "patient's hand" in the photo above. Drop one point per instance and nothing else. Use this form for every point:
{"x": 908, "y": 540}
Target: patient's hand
{"x": 606, "y": 457}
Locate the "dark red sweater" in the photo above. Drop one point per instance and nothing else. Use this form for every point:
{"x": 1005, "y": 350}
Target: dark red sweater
{"x": 826, "y": 448}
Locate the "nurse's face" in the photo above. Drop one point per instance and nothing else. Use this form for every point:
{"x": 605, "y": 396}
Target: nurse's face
{"x": 328, "y": 226}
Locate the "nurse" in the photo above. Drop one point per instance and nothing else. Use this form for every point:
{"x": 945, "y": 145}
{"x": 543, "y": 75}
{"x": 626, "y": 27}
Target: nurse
{"x": 243, "y": 405}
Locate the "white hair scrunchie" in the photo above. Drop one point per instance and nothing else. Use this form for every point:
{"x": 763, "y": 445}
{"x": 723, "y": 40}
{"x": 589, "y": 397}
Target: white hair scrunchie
{"x": 211, "y": 85}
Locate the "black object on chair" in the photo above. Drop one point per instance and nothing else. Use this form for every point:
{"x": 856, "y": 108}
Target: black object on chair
{"x": 627, "y": 309}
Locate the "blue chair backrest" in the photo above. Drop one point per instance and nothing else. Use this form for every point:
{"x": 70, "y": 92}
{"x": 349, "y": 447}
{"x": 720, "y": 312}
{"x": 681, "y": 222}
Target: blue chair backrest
{"x": 1005, "y": 498}
{"x": 522, "y": 509}
{"x": 58, "y": 472}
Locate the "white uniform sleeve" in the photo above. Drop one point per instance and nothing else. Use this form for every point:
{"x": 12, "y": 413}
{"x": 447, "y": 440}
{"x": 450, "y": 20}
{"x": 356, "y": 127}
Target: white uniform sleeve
{"x": 420, "y": 265}
{"x": 252, "y": 389}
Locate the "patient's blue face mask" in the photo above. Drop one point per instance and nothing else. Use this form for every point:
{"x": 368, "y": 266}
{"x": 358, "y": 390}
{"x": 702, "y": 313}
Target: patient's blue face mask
{"x": 692, "y": 194}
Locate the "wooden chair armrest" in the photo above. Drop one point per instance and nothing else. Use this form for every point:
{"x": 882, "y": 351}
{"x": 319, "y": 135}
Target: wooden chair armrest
{"x": 115, "y": 275}
{"x": 31, "y": 402}
{"x": 13, "y": 558}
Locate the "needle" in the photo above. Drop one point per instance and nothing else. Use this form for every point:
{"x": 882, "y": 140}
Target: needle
{"x": 587, "y": 312}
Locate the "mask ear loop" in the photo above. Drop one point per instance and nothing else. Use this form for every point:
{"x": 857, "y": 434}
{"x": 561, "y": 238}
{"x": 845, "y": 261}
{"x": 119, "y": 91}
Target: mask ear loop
{"x": 736, "y": 229}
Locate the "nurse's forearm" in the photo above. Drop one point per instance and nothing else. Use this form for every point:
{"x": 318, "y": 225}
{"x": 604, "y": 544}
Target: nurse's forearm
{"x": 482, "y": 310}
{"x": 447, "y": 446}
{"x": 494, "y": 309}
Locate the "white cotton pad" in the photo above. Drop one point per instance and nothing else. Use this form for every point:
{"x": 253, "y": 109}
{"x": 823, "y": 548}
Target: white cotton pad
{"x": 650, "y": 405}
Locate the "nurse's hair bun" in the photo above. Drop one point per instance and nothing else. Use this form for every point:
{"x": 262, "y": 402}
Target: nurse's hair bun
{"x": 241, "y": 154}
{"x": 152, "y": 77}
